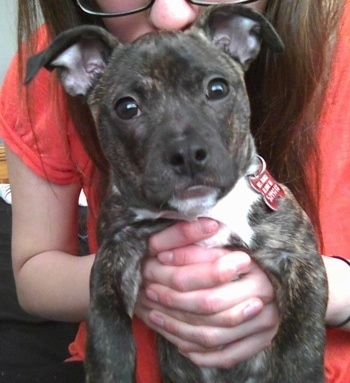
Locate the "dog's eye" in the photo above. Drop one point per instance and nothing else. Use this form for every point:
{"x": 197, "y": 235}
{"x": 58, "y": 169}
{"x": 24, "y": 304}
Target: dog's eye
{"x": 127, "y": 108}
{"x": 217, "y": 89}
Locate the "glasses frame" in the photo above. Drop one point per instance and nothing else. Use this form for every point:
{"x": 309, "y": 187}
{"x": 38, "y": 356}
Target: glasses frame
{"x": 149, "y": 5}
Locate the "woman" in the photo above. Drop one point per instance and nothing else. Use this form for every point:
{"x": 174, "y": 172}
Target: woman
{"x": 292, "y": 121}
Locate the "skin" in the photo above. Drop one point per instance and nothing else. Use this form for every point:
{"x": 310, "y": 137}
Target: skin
{"x": 189, "y": 295}
{"x": 167, "y": 14}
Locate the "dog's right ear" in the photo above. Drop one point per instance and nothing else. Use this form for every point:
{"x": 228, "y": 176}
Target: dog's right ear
{"x": 79, "y": 55}
{"x": 239, "y": 31}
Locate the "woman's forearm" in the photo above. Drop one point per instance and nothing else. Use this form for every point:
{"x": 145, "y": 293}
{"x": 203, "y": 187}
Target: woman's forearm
{"x": 55, "y": 285}
{"x": 338, "y": 309}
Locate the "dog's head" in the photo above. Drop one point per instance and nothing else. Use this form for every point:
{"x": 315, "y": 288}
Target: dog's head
{"x": 171, "y": 108}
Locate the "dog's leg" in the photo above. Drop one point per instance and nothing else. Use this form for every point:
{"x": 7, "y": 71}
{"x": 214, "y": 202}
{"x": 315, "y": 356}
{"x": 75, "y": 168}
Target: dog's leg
{"x": 115, "y": 282}
{"x": 110, "y": 346}
{"x": 300, "y": 341}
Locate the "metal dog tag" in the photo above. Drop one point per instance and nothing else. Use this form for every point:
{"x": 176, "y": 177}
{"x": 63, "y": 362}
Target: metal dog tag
{"x": 266, "y": 185}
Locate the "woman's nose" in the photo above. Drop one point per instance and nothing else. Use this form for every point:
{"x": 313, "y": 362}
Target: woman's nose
{"x": 173, "y": 14}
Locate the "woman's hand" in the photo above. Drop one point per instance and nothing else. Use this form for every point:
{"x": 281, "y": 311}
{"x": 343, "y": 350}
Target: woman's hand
{"x": 216, "y": 306}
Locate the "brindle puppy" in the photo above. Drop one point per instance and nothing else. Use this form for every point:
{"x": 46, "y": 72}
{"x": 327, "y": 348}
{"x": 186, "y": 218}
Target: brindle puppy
{"x": 172, "y": 116}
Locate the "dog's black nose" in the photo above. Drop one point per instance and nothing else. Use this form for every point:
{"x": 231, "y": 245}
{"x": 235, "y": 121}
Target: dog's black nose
{"x": 187, "y": 155}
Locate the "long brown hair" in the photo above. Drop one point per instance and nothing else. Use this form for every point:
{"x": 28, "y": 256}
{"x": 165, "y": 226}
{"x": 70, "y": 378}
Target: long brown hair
{"x": 58, "y": 17}
{"x": 286, "y": 90}
{"x": 287, "y": 93}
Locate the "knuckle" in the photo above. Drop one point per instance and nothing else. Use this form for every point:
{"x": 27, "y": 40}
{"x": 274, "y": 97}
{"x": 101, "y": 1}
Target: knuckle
{"x": 173, "y": 329}
{"x": 232, "y": 318}
{"x": 186, "y": 347}
{"x": 219, "y": 276}
{"x": 153, "y": 245}
{"x": 148, "y": 270}
{"x": 186, "y": 230}
{"x": 167, "y": 299}
{"x": 194, "y": 319}
{"x": 179, "y": 282}
{"x": 228, "y": 363}
{"x": 210, "y": 304}
{"x": 208, "y": 337}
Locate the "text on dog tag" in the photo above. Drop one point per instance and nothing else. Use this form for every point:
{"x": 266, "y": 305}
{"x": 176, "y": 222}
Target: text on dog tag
{"x": 265, "y": 184}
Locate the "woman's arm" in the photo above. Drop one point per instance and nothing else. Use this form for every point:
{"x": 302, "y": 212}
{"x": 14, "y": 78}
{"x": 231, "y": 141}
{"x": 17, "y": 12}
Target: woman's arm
{"x": 338, "y": 308}
{"x": 50, "y": 282}
{"x": 192, "y": 298}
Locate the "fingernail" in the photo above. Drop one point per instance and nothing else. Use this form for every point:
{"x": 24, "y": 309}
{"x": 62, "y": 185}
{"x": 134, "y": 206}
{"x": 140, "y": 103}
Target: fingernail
{"x": 252, "y": 308}
{"x": 166, "y": 257}
{"x": 151, "y": 295}
{"x": 208, "y": 226}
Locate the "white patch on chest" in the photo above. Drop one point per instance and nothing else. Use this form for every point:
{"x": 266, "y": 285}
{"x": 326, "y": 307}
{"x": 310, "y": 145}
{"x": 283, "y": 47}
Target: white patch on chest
{"x": 231, "y": 211}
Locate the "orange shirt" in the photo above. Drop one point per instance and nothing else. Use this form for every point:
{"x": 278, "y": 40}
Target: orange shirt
{"x": 334, "y": 141}
{"x": 49, "y": 145}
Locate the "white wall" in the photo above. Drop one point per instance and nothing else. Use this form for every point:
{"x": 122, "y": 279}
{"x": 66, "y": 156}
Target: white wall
{"x": 8, "y": 16}
{"x": 8, "y": 44}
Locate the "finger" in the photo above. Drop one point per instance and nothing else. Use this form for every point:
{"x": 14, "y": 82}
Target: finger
{"x": 229, "y": 318}
{"x": 212, "y": 337}
{"x": 144, "y": 313}
{"x": 177, "y": 342}
{"x": 143, "y": 310}
{"x": 232, "y": 353}
{"x": 182, "y": 234}
{"x": 189, "y": 255}
{"x": 205, "y": 301}
{"x": 197, "y": 276}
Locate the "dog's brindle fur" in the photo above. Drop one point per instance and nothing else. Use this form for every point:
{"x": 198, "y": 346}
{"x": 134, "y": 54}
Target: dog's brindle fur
{"x": 172, "y": 115}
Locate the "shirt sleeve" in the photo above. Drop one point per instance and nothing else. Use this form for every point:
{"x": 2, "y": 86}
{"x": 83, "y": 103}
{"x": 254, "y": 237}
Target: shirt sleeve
{"x": 36, "y": 127}
{"x": 334, "y": 144}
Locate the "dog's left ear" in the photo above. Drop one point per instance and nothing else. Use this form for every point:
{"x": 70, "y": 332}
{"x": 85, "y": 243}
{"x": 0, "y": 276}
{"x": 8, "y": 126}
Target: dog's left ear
{"x": 239, "y": 31}
{"x": 79, "y": 55}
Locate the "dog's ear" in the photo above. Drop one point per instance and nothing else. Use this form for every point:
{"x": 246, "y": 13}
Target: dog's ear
{"x": 78, "y": 54}
{"x": 239, "y": 31}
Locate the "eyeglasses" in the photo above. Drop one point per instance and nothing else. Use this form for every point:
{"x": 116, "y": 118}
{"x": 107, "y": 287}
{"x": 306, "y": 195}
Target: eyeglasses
{"x": 129, "y": 7}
